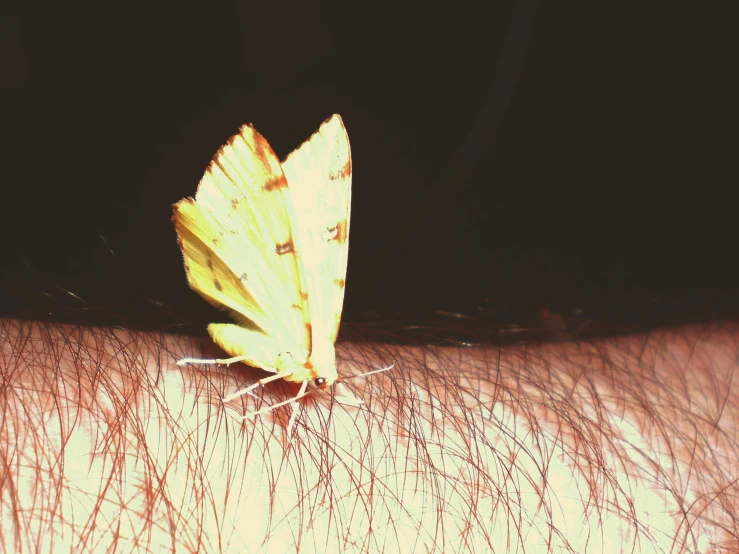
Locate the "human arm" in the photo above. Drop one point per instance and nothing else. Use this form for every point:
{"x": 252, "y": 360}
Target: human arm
{"x": 624, "y": 445}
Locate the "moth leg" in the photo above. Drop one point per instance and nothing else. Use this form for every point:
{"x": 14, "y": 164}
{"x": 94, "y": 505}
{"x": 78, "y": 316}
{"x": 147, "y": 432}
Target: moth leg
{"x": 226, "y": 361}
{"x": 268, "y": 409}
{"x": 348, "y": 398}
{"x": 247, "y": 390}
{"x": 295, "y": 409}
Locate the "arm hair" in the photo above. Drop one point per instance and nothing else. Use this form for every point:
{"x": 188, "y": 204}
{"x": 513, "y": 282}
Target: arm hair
{"x": 617, "y": 445}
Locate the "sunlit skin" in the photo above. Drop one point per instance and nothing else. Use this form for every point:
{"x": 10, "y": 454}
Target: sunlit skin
{"x": 627, "y": 444}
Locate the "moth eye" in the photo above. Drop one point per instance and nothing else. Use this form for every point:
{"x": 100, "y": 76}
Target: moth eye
{"x": 320, "y": 381}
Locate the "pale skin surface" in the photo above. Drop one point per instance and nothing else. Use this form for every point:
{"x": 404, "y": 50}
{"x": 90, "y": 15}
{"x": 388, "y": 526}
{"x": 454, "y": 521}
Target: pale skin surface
{"x": 618, "y": 445}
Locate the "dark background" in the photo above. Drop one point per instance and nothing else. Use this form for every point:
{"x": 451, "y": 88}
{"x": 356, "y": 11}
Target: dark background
{"x": 510, "y": 158}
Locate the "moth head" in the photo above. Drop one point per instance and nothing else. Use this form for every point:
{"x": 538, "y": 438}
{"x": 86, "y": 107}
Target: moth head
{"x": 318, "y": 369}
{"x": 318, "y": 378}
{"x": 323, "y": 382}
{"x": 321, "y": 367}
{"x": 322, "y": 375}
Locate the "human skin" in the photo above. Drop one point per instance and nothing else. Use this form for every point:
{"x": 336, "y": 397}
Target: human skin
{"x": 624, "y": 444}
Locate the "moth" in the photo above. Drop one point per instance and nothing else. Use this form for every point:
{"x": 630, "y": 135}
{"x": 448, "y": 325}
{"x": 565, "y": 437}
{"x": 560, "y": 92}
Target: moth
{"x": 269, "y": 242}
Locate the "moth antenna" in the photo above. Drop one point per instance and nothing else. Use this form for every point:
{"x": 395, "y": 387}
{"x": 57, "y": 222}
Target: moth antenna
{"x": 354, "y": 400}
{"x": 340, "y": 378}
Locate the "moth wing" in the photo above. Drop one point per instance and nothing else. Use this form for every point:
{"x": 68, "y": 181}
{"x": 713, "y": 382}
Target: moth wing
{"x": 319, "y": 175}
{"x": 254, "y": 347}
{"x": 238, "y": 244}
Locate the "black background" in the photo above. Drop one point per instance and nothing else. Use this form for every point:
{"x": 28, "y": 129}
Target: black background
{"x": 508, "y": 157}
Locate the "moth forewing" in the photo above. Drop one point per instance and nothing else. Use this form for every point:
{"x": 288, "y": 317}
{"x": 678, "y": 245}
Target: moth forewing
{"x": 245, "y": 190}
{"x": 319, "y": 175}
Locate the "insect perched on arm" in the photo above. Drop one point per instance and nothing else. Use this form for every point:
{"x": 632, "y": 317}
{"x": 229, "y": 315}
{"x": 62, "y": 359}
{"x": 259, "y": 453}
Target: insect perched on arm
{"x": 269, "y": 242}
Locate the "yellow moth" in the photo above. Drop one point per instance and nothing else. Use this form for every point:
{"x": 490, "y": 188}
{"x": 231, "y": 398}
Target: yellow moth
{"x": 269, "y": 242}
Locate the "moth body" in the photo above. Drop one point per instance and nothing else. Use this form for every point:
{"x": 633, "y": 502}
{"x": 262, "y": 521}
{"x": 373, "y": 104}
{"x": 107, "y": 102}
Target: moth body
{"x": 268, "y": 242}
